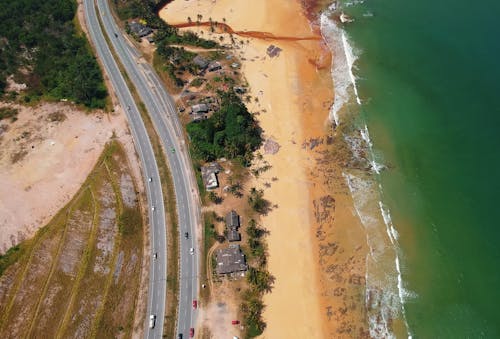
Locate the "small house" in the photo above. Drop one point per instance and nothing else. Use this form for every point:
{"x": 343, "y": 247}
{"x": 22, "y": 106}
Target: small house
{"x": 201, "y": 62}
{"x": 209, "y": 175}
{"x": 214, "y": 66}
{"x": 199, "y": 109}
{"x": 139, "y": 29}
{"x": 230, "y": 260}
{"x": 232, "y": 225}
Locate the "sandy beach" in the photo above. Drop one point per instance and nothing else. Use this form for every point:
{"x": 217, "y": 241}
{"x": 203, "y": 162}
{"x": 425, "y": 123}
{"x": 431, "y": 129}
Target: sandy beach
{"x": 313, "y": 225}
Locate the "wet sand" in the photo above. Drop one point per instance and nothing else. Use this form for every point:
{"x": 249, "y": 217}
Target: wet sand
{"x": 316, "y": 243}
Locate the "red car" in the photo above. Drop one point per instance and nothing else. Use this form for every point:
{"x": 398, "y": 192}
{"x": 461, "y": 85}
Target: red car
{"x": 235, "y": 322}
{"x": 191, "y": 332}
{"x": 195, "y": 304}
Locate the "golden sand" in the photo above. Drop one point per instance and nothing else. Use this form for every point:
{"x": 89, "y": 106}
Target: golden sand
{"x": 313, "y": 225}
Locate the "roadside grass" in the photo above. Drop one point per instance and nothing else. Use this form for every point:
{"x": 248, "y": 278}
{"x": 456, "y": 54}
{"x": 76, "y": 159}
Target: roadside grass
{"x": 123, "y": 283}
{"x": 208, "y": 241}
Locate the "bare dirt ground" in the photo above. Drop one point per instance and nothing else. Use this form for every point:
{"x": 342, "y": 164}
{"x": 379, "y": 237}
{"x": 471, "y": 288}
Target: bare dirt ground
{"x": 80, "y": 276}
{"x": 45, "y": 157}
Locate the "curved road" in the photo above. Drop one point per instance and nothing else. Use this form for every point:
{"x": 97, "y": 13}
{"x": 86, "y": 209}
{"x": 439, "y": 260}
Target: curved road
{"x": 145, "y": 150}
{"x": 163, "y": 114}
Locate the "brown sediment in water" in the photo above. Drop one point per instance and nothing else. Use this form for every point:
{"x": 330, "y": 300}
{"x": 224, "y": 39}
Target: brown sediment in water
{"x": 225, "y": 28}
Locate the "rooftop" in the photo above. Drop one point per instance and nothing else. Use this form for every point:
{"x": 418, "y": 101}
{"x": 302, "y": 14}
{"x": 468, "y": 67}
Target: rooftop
{"x": 200, "y": 61}
{"x": 139, "y": 29}
{"x": 230, "y": 260}
{"x": 232, "y": 220}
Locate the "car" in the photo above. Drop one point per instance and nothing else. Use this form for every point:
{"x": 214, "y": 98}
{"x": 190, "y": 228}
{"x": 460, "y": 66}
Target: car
{"x": 179, "y": 336}
{"x": 186, "y": 235}
{"x": 152, "y": 320}
{"x": 172, "y": 150}
{"x": 195, "y": 304}
{"x": 150, "y": 179}
{"x": 155, "y": 255}
{"x": 191, "y": 332}
{"x": 191, "y": 251}
{"x": 235, "y": 322}
{"x": 116, "y": 35}
{"x": 152, "y": 208}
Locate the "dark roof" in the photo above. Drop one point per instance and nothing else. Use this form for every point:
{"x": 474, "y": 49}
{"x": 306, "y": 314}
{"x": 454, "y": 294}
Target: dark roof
{"x": 139, "y": 29}
{"x": 233, "y": 235}
{"x": 232, "y": 220}
{"x": 273, "y": 51}
{"x": 198, "y": 116}
{"x": 230, "y": 260}
{"x": 200, "y": 61}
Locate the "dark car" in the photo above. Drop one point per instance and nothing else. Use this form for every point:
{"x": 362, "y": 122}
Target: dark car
{"x": 186, "y": 235}
{"x": 179, "y": 336}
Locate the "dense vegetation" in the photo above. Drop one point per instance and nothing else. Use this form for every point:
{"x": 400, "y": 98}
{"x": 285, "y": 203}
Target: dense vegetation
{"x": 230, "y": 132}
{"x": 147, "y": 10}
{"x": 40, "y": 47}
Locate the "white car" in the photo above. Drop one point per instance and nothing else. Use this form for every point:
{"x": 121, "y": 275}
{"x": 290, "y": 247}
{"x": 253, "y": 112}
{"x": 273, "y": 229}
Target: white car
{"x": 155, "y": 255}
{"x": 191, "y": 251}
{"x": 152, "y": 319}
{"x": 150, "y": 179}
{"x": 152, "y": 208}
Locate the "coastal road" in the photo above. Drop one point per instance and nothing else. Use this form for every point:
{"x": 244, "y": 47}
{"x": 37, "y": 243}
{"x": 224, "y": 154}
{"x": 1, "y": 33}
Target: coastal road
{"x": 163, "y": 113}
{"x": 158, "y": 266}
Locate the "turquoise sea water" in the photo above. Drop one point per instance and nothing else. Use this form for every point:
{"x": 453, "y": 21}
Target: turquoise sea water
{"x": 428, "y": 76}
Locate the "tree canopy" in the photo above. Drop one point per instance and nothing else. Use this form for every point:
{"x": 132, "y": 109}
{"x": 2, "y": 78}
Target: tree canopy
{"x": 230, "y": 132}
{"x": 40, "y": 46}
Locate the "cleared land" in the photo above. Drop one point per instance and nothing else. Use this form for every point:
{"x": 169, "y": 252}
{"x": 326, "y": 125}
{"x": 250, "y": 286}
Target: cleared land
{"x": 79, "y": 276}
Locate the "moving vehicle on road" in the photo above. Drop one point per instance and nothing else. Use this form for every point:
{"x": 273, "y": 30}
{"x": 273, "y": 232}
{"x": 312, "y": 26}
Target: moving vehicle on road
{"x": 155, "y": 255}
{"x": 150, "y": 179}
{"x": 152, "y": 208}
{"x": 186, "y": 235}
{"x": 191, "y": 251}
{"x": 195, "y": 304}
{"x": 172, "y": 150}
{"x": 152, "y": 320}
{"x": 191, "y": 332}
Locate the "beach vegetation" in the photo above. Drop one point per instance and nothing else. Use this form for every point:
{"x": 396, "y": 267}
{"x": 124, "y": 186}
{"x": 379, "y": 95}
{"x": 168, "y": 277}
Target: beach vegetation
{"x": 257, "y": 202}
{"x": 231, "y": 132}
{"x": 43, "y": 49}
{"x": 9, "y": 113}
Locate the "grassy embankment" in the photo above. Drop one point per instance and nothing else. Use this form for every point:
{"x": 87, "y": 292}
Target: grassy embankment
{"x": 72, "y": 276}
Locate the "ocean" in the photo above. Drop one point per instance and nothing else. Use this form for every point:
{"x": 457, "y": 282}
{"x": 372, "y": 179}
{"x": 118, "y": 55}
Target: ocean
{"x": 418, "y": 100}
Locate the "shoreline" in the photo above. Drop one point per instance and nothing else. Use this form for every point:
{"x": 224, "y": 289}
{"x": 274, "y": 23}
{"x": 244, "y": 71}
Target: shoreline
{"x": 314, "y": 227}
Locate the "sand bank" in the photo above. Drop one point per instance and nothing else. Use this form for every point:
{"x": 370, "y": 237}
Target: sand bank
{"x": 313, "y": 225}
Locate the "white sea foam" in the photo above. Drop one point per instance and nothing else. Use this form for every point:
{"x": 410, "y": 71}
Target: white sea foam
{"x": 385, "y": 291}
{"x": 343, "y": 61}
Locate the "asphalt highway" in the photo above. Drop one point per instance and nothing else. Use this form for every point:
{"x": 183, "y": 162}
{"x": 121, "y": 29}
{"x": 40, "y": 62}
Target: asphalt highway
{"x": 163, "y": 113}
{"x": 152, "y": 181}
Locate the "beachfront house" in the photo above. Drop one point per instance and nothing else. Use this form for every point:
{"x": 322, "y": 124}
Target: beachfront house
{"x": 232, "y": 225}
{"x": 139, "y": 29}
{"x": 214, "y": 66}
{"x": 230, "y": 260}
{"x": 209, "y": 175}
{"x": 201, "y": 62}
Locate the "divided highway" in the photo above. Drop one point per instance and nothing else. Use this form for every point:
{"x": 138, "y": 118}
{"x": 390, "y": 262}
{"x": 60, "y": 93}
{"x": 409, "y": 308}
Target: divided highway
{"x": 163, "y": 113}
{"x": 143, "y": 146}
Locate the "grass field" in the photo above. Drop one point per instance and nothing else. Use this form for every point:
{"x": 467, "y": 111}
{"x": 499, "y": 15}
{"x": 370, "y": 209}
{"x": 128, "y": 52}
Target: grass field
{"x": 79, "y": 276}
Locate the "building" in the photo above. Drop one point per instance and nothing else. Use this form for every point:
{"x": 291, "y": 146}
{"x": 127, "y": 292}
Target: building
{"x": 201, "y": 62}
{"x": 209, "y": 175}
{"x": 196, "y": 117}
{"x": 199, "y": 109}
{"x": 214, "y": 66}
{"x": 230, "y": 260}
{"x": 232, "y": 220}
{"x": 139, "y": 29}
{"x": 232, "y": 225}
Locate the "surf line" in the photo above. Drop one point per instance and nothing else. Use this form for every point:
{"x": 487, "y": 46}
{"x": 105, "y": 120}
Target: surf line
{"x": 225, "y": 28}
